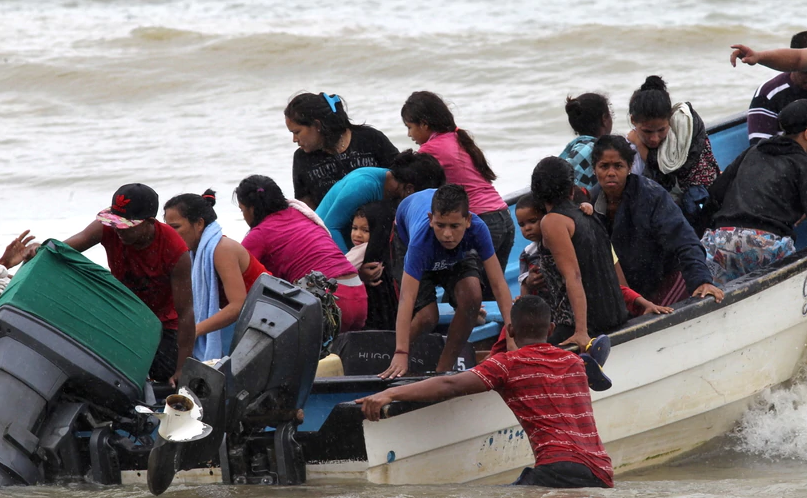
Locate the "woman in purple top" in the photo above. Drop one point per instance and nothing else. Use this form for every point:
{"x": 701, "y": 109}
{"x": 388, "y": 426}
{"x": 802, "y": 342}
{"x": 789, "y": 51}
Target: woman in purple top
{"x": 290, "y": 241}
{"x": 431, "y": 125}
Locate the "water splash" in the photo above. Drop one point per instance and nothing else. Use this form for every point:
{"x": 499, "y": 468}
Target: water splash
{"x": 776, "y": 426}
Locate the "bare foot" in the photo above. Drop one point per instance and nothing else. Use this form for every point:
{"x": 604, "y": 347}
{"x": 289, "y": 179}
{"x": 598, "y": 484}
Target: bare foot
{"x": 481, "y": 318}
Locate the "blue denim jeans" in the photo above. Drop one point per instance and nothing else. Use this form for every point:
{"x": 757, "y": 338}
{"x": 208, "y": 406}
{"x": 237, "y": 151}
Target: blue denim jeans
{"x": 502, "y": 233}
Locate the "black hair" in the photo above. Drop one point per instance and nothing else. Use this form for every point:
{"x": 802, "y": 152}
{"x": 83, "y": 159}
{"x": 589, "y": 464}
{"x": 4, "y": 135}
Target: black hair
{"x": 422, "y": 171}
{"x": 429, "y": 109}
{"x": 262, "y": 194}
{"x": 308, "y": 109}
{"x": 613, "y": 142}
{"x": 580, "y": 195}
{"x": 586, "y": 111}
{"x": 449, "y": 198}
{"x": 361, "y": 212}
{"x": 650, "y": 101}
{"x": 194, "y": 207}
{"x": 530, "y": 317}
{"x": 552, "y": 180}
{"x": 526, "y": 201}
{"x": 799, "y": 40}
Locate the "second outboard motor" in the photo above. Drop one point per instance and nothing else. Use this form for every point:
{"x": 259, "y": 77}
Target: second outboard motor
{"x": 75, "y": 345}
{"x": 264, "y": 383}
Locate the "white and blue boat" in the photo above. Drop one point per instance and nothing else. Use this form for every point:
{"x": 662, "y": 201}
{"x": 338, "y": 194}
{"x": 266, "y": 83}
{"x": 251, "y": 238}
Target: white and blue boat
{"x": 679, "y": 381}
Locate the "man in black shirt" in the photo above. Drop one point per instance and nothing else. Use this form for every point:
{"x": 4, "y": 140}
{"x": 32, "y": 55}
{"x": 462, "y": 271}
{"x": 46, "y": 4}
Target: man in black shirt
{"x": 762, "y": 194}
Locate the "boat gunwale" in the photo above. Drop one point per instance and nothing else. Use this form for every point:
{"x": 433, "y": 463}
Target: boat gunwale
{"x": 690, "y": 309}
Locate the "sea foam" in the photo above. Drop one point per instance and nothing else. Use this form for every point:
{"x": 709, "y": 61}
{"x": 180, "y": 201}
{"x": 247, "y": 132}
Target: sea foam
{"x": 775, "y": 426}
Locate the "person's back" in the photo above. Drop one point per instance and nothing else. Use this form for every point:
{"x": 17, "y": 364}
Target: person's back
{"x": 290, "y": 246}
{"x": 769, "y": 191}
{"x": 590, "y": 117}
{"x": 606, "y": 306}
{"x": 460, "y": 169}
{"x": 357, "y": 188}
{"x": 773, "y": 96}
{"x": 547, "y": 389}
{"x": 409, "y": 172}
{"x": 762, "y": 195}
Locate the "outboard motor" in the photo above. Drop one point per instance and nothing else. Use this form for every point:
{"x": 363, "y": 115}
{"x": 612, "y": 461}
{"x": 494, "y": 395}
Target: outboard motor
{"x": 75, "y": 350}
{"x": 264, "y": 383}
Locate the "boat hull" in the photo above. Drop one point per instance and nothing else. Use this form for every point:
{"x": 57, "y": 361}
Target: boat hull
{"x": 674, "y": 389}
{"x": 679, "y": 381}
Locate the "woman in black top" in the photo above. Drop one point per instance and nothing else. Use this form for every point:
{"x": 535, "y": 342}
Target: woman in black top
{"x": 330, "y": 146}
{"x": 581, "y": 249}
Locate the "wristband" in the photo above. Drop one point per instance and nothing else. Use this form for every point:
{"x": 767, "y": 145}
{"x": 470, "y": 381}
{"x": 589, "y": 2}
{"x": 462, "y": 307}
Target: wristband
{"x": 401, "y": 351}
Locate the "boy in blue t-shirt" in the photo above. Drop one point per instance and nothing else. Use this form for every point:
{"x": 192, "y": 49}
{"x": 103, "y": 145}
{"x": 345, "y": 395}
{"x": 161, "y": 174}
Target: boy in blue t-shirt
{"x": 439, "y": 231}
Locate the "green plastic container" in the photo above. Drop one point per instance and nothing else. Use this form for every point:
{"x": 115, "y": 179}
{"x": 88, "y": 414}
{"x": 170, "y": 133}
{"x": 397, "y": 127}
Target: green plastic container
{"x": 83, "y": 300}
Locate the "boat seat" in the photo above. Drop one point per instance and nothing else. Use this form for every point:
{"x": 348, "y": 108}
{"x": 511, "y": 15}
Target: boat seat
{"x": 369, "y": 352}
{"x": 491, "y": 328}
{"x": 491, "y": 307}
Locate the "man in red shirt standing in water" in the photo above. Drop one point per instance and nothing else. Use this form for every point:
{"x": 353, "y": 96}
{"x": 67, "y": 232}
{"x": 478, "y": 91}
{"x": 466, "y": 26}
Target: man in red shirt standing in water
{"x": 546, "y": 388}
{"x": 152, "y": 260}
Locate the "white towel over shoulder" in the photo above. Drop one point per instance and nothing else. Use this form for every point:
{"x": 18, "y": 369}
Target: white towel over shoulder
{"x": 673, "y": 152}
{"x": 308, "y": 212}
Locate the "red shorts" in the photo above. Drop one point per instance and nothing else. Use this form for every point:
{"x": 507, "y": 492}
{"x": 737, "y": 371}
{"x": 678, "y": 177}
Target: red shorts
{"x": 353, "y": 303}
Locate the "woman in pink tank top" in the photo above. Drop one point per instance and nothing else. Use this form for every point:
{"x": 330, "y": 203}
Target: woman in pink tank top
{"x": 431, "y": 125}
{"x": 290, "y": 241}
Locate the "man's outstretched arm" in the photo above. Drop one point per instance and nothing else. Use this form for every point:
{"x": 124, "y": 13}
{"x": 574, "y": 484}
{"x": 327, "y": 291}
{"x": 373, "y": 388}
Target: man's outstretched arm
{"x": 434, "y": 389}
{"x": 781, "y": 59}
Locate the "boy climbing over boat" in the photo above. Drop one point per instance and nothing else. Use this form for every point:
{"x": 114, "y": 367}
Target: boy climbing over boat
{"x": 440, "y": 232}
{"x": 546, "y": 388}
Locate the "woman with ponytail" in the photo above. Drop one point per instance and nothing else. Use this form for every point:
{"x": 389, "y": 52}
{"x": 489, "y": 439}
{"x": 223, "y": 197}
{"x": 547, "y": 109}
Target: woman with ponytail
{"x": 222, "y": 271}
{"x": 431, "y": 125}
{"x": 291, "y": 241}
{"x": 672, "y": 148}
{"x": 590, "y": 117}
{"x": 330, "y": 146}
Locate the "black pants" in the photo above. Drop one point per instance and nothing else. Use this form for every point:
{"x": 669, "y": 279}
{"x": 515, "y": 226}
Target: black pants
{"x": 165, "y": 361}
{"x": 560, "y": 475}
{"x": 561, "y": 333}
{"x": 502, "y": 234}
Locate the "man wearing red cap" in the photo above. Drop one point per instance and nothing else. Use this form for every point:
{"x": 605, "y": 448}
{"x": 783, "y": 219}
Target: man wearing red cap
{"x": 152, "y": 260}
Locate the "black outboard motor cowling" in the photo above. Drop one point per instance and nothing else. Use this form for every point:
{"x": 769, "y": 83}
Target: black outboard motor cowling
{"x": 275, "y": 352}
{"x": 75, "y": 350}
{"x": 37, "y": 364}
{"x": 265, "y": 382}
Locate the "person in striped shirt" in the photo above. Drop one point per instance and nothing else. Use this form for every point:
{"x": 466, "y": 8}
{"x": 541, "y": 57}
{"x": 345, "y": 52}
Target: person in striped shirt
{"x": 773, "y": 95}
{"x": 546, "y": 388}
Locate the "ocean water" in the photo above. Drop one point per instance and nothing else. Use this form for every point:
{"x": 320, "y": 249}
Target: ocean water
{"x": 186, "y": 95}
